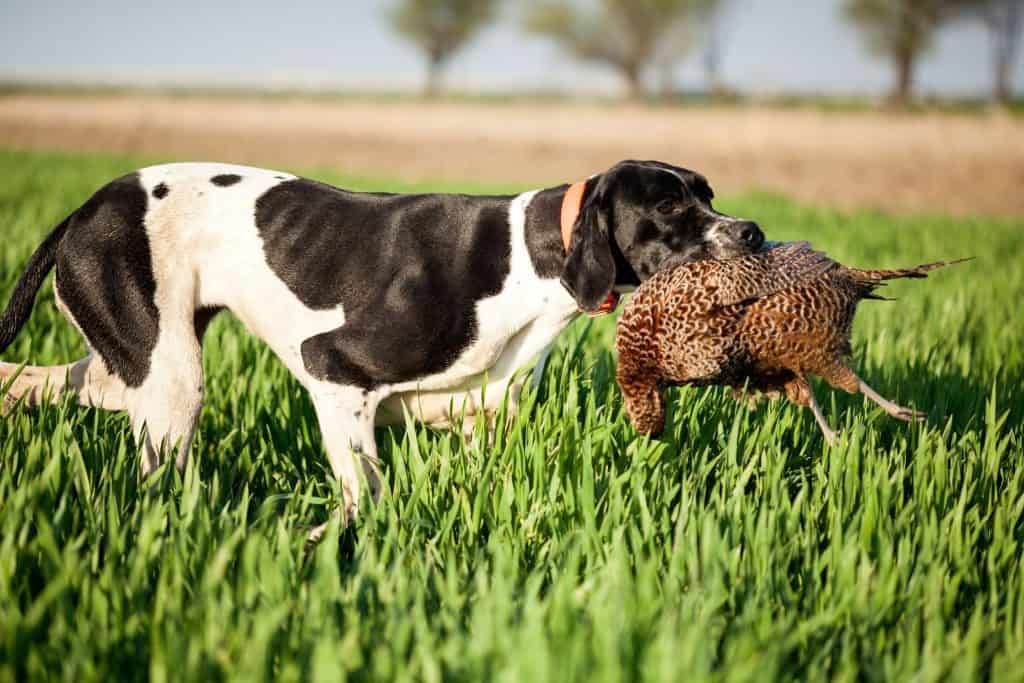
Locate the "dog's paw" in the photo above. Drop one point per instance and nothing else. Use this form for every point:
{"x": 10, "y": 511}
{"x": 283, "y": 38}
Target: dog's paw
{"x": 8, "y": 404}
{"x": 347, "y": 514}
{"x": 314, "y": 535}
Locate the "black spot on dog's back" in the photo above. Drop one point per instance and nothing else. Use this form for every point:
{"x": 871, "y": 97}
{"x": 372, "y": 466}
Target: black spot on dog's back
{"x": 160, "y": 191}
{"x": 408, "y": 271}
{"x": 105, "y": 276}
{"x": 226, "y": 179}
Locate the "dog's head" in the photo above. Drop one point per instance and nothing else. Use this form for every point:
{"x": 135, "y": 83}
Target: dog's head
{"x": 640, "y": 217}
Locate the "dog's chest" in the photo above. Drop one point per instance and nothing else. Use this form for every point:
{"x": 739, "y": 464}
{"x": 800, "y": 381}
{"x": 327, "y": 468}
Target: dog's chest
{"x": 505, "y": 316}
{"x": 513, "y": 325}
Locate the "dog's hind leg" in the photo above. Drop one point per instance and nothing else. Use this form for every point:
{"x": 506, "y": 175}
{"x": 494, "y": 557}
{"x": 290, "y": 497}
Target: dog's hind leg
{"x": 165, "y": 408}
{"x": 88, "y": 380}
{"x": 346, "y": 416}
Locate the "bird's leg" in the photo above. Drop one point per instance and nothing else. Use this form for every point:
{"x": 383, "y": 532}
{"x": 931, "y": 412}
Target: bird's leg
{"x": 830, "y": 434}
{"x": 895, "y": 410}
{"x": 748, "y": 396}
{"x": 798, "y": 390}
{"x": 846, "y": 379}
{"x": 753, "y": 396}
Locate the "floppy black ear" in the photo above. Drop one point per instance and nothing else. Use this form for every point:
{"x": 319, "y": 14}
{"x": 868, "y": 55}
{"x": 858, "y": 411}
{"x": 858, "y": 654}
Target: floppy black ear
{"x": 589, "y": 271}
{"x": 699, "y": 185}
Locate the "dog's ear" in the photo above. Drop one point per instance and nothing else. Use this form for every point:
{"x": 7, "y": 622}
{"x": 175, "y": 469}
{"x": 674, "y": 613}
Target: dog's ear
{"x": 589, "y": 271}
{"x": 701, "y": 188}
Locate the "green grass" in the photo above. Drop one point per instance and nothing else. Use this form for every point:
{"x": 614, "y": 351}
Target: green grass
{"x": 739, "y": 547}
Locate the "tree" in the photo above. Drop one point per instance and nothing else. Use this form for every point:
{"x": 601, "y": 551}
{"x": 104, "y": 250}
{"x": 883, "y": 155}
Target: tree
{"x": 901, "y": 31}
{"x": 624, "y": 34}
{"x": 696, "y": 23}
{"x": 440, "y": 28}
{"x": 1004, "y": 20}
{"x": 714, "y": 46}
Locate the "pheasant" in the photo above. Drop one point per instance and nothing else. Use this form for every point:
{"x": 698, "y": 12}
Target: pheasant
{"x": 763, "y": 322}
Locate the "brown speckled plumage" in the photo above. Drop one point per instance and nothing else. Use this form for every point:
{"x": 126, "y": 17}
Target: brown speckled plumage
{"x": 764, "y": 322}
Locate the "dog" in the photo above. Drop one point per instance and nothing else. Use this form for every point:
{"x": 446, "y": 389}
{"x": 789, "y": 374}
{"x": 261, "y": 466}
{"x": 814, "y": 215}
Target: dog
{"x": 373, "y": 301}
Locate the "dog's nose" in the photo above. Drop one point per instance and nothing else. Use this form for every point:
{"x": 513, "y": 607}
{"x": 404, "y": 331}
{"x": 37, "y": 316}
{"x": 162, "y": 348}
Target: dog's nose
{"x": 749, "y": 233}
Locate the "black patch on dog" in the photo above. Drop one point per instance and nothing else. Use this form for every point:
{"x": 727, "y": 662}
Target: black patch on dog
{"x": 544, "y": 232}
{"x": 160, "y": 191}
{"x": 226, "y": 179}
{"x": 105, "y": 276}
{"x": 408, "y": 270}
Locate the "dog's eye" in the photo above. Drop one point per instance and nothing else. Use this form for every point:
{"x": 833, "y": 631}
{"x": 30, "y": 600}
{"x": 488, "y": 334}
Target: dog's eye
{"x": 666, "y": 206}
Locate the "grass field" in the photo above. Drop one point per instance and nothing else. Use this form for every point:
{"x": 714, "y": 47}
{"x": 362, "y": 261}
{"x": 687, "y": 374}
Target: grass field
{"x": 739, "y": 547}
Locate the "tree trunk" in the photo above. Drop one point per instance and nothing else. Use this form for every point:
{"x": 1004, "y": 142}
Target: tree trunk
{"x": 1004, "y": 24}
{"x": 712, "y": 83}
{"x": 432, "y": 88}
{"x": 904, "y": 79}
{"x": 667, "y": 73}
{"x": 712, "y": 61}
{"x": 634, "y": 84}
{"x": 1002, "y": 87}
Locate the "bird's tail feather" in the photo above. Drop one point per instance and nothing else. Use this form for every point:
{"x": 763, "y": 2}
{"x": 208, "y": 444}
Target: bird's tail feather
{"x": 915, "y": 272}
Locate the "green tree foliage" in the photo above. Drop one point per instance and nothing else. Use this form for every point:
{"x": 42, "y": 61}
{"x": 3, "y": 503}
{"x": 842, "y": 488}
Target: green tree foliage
{"x": 624, "y": 34}
{"x": 900, "y": 31}
{"x": 439, "y": 28}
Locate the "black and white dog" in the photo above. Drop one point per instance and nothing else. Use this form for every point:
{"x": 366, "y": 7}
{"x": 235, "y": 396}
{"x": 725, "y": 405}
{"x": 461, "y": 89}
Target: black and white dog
{"x": 371, "y": 300}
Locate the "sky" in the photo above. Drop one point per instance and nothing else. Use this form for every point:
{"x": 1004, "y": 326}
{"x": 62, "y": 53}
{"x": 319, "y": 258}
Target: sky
{"x": 769, "y": 46}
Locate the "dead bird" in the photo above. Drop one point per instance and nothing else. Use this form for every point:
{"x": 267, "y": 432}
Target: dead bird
{"x": 762, "y": 323}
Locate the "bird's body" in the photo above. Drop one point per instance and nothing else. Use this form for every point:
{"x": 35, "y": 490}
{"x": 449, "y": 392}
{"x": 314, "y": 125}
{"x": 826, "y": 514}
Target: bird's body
{"x": 762, "y": 322}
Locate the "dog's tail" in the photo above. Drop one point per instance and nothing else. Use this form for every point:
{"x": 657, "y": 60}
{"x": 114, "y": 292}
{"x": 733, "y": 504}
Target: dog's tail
{"x": 20, "y": 307}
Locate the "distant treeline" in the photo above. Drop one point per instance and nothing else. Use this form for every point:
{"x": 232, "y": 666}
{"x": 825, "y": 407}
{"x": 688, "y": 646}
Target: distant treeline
{"x": 638, "y": 38}
{"x": 680, "y": 98}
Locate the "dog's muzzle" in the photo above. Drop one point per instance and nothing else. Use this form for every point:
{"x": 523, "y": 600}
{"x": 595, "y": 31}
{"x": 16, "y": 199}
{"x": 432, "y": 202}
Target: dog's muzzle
{"x": 736, "y": 237}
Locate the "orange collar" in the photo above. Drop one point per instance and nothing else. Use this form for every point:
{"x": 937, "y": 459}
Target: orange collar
{"x": 571, "y": 204}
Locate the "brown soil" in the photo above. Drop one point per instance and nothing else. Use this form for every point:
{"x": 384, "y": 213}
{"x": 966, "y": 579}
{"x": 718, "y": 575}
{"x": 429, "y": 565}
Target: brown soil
{"x": 960, "y": 164}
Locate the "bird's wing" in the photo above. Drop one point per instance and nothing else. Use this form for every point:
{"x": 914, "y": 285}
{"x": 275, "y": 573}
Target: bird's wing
{"x": 748, "y": 278}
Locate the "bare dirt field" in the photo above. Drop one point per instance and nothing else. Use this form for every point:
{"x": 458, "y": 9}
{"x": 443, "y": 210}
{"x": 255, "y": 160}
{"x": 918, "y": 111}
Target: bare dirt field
{"x": 938, "y": 163}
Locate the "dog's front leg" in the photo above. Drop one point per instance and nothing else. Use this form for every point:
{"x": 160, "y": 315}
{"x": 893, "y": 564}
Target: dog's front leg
{"x": 346, "y": 416}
